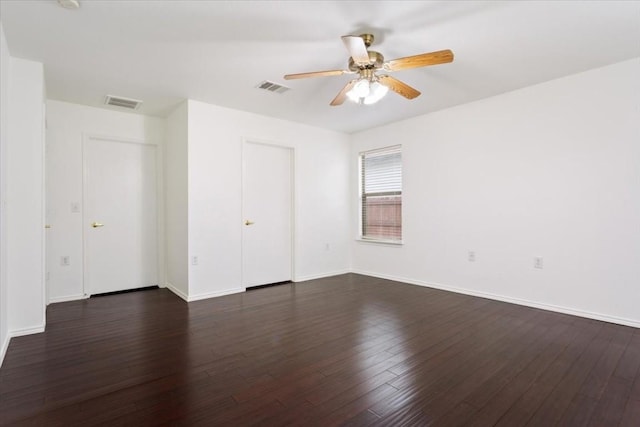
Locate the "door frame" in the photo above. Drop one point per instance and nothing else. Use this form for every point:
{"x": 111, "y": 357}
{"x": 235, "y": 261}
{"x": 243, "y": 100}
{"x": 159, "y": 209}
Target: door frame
{"x": 86, "y": 138}
{"x": 293, "y": 210}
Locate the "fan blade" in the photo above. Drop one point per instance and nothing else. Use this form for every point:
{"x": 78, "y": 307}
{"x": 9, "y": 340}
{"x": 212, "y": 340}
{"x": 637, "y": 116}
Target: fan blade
{"x": 315, "y": 74}
{"x": 357, "y": 49}
{"x": 433, "y": 58}
{"x": 340, "y": 98}
{"x": 398, "y": 87}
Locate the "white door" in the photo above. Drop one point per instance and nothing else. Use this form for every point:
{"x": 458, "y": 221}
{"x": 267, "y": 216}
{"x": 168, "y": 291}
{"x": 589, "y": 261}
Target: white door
{"x": 120, "y": 215}
{"x": 267, "y": 214}
{"x": 48, "y": 217}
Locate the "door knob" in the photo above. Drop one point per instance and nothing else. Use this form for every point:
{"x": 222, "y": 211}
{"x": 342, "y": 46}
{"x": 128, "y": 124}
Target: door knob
{"x": 97, "y": 224}
{"x": 247, "y": 222}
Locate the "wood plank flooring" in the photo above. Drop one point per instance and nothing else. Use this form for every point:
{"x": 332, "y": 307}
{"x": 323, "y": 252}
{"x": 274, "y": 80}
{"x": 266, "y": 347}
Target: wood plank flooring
{"x": 347, "y": 350}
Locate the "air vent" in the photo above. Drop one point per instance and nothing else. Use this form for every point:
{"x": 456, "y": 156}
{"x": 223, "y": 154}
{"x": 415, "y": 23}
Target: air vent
{"x": 272, "y": 87}
{"x": 118, "y": 101}
{"x": 69, "y": 4}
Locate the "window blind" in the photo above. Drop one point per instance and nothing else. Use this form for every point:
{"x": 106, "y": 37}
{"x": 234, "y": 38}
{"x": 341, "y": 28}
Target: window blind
{"x": 381, "y": 194}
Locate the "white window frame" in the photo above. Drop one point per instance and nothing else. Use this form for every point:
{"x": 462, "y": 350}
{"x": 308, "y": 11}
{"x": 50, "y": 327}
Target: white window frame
{"x": 361, "y": 196}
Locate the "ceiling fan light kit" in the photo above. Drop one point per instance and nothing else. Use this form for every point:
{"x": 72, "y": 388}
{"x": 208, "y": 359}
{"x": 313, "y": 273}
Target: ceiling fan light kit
{"x": 367, "y": 92}
{"x": 370, "y": 87}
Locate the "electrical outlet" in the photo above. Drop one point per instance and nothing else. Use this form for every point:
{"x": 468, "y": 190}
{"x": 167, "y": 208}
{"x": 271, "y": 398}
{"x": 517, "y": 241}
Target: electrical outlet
{"x": 65, "y": 260}
{"x": 471, "y": 256}
{"x": 194, "y": 260}
{"x": 537, "y": 262}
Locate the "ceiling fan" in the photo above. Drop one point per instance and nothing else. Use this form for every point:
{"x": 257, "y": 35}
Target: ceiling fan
{"x": 369, "y": 87}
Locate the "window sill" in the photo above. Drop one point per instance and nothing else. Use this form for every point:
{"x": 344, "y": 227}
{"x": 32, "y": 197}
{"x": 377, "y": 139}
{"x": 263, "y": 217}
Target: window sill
{"x": 380, "y": 241}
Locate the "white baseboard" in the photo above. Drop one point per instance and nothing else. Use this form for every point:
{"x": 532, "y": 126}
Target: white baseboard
{"x": 17, "y": 333}
{"x": 67, "y": 298}
{"x": 190, "y": 298}
{"x": 503, "y": 298}
{"x": 320, "y": 276}
{"x": 177, "y": 291}
{"x": 5, "y": 347}
{"x": 215, "y": 294}
{"x": 26, "y": 331}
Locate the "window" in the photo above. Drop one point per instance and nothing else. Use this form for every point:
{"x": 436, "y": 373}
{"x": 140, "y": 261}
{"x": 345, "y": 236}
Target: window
{"x": 381, "y": 194}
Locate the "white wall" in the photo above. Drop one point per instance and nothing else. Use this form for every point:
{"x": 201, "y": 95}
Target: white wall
{"x": 66, "y": 125}
{"x": 551, "y": 170}
{"x": 25, "y": 198}
{"x": 176, "y": 202}
{"x": 322, "y": 198}
{"x": 22, "y": 303}
{"x": 5, "y": 68}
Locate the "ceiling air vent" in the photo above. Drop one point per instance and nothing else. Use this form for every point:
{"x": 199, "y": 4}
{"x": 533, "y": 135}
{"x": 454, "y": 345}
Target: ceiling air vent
{"x": 69, "y": 4}
{"x": 272, "y": 87}
{"x": 118, "y": 101}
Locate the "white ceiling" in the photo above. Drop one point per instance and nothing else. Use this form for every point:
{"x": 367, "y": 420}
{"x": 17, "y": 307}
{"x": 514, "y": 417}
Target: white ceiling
{"x": 217, "y": 51}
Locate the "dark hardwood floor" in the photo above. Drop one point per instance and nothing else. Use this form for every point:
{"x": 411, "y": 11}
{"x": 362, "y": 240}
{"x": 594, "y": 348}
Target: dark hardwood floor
{"x": 347, "y": 350}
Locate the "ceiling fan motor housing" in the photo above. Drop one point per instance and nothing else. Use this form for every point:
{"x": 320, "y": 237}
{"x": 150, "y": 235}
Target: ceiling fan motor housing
{"x": 375, "y": 61}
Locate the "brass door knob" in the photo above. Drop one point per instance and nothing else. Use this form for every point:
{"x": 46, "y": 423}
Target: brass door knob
{"x": 97, "y": 224}
{"x": 247, "y": 222}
